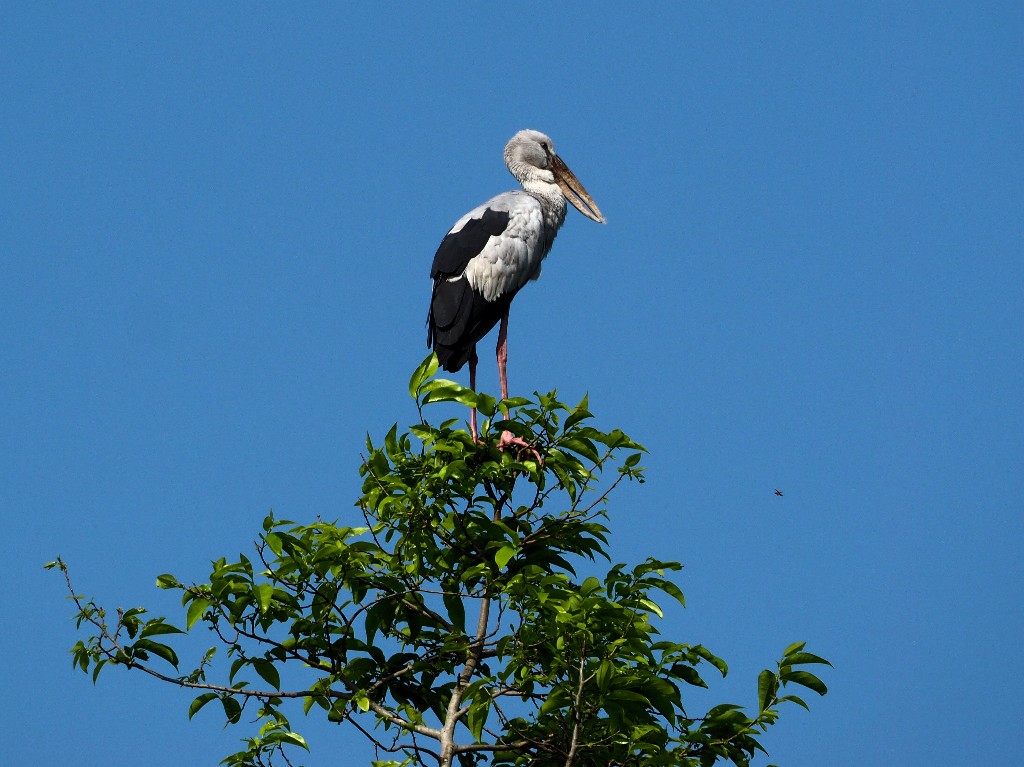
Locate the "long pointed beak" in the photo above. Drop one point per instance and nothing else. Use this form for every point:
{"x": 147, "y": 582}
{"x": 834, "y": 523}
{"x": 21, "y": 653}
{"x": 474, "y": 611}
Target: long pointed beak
{"x": 574, "y": 191}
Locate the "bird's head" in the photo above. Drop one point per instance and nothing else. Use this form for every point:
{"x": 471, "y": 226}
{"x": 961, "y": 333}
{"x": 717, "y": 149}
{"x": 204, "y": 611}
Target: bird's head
{"x": 530, "y": 157}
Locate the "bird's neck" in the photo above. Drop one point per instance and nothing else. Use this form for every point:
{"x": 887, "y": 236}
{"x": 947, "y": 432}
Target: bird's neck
{"x": 540, "y": 182}
{"x": 551, "y": 199}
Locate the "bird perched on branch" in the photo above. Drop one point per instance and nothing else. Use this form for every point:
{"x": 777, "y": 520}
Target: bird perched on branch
{"x": 494, "y": 250}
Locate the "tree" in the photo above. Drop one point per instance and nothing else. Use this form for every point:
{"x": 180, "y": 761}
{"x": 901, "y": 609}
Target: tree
{"x": 451, "y": 625}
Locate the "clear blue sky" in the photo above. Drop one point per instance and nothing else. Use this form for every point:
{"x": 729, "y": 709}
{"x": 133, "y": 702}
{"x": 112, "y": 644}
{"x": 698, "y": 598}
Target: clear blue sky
{"x": 216, "y": 226}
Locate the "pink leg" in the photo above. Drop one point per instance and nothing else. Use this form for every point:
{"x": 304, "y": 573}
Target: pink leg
{"x": 472, "y": 385}
{"x": 501, "y": 352}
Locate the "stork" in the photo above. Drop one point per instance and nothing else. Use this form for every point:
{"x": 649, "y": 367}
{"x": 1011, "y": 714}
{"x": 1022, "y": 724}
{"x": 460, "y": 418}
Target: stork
{"x": 493, "y": 251}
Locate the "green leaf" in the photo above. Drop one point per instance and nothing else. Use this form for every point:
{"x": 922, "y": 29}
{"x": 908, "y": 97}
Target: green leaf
{"x": 672, "y": 590}
{"x": 555, "y": 700}
{"x": 579, "y": 414}
{"x": 807, "y": 679}
{"x": 199, "y": 702}
{"x": 711, "y": 658}
{"x": 477, "y": 718}
{"x": 156, "y": 627}
{"x": 269, "y": 672}
{"x": 688, "y": 674}
{"x": 391, "y": 441}
{"x": 236, "y": 665}
{"x": 443, "y": 390}
{"x": 273, "y": 540}
{"x": 652, "y": 607}
{"x": 795, "y": 699}
{"x": 797, "y": 658}
{"x": 504, "y": 554}
{"x": 581, "y": 447}
{"x": 794, "y": 648}
{"x": 628, "y": 696}
{"x": 196, "y": 609}
{"x": 160, "y": 650}
{"x": 381, "y": 614}
{"x": 167, "y": 581}
{"x": 425, "y": 370}
{"x": 362, "y": 702}
{"x": 293, "y": 738}
{"x": 232, "y": 709}
{"x": 767, "y": 687}
{"x": 264, "y": 594}
{"x": 456, "y": 608}
{"x": 589, "y": 586}
{"x": 486, "y": 404}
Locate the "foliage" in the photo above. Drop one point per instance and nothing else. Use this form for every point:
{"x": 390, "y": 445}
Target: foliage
{"x": 451, "y": 626}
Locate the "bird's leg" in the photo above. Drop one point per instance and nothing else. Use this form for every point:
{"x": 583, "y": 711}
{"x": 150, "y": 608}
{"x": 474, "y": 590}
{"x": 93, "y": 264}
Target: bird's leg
{"x": 501, "y": 352}
{"x": 472, "y": 385}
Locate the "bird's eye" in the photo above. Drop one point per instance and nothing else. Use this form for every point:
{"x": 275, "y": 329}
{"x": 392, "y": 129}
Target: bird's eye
{"x": 545, "y": 147}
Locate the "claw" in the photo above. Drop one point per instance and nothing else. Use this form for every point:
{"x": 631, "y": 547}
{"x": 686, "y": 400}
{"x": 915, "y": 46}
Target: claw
{"x": 508, "y": 439}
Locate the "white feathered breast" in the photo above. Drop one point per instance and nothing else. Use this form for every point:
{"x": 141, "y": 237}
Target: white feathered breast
{"x": 510, "y": 260}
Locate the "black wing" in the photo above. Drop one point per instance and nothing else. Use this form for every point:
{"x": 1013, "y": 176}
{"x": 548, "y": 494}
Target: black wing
{"x": 458, "y": 316}
{"x": 457, "y": 248}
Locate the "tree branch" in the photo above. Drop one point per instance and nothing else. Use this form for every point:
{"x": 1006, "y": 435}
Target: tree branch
{"x": 574, "y": 744}
{"x": 452, "y": 715}
{"x": 394, "y": 718}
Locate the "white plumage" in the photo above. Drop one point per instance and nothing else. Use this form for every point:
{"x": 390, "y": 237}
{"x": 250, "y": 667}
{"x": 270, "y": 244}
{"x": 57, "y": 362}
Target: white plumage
{"x": 507, "y": 262}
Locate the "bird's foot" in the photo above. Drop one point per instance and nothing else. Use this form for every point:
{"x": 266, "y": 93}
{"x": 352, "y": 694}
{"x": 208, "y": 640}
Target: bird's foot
{"x": 508, "y": 440}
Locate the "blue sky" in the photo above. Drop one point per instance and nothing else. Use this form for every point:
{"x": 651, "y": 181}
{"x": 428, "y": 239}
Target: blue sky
{"x": 216, "y": 231}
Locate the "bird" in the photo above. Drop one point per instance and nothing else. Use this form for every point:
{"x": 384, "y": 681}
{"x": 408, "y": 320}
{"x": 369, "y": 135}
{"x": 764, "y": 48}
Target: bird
{"x": 490, "y": 254}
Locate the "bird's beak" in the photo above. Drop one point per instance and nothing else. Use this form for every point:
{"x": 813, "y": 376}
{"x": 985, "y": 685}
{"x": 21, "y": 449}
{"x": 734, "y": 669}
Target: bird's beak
{"x": 574, "y": 191}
